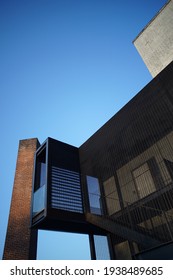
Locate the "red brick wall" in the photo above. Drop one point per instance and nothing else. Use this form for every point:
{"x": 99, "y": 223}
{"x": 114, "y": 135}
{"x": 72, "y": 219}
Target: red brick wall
{"x": 21, "y": 241}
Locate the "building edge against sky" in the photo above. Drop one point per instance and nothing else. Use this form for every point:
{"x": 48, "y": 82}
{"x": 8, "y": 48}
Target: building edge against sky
{"x": 117, "y": 187}
{"x": 155, "y": 41}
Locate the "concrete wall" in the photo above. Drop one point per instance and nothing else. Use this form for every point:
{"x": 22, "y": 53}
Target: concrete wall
{"x": 155, "y": 42}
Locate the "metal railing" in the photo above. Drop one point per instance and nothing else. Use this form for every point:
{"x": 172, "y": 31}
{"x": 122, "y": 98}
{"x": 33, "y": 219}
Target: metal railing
{"x": 138, "y": 217}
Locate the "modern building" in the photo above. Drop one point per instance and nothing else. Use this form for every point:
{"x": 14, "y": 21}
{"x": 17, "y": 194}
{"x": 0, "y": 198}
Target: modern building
{"x": 117, "y": 187}
{"x": 155, "y": 42}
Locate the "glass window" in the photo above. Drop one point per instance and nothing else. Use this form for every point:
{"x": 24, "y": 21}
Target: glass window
{"x": 122, "y": 251}
{"x": 40, "y": 176}
{"x": 39, "y": 196}
{"x": 111, "y": 196}
{"x": 39, "y": 200}
{"x": 94, "y": 195}
{"x": 144, "y": 181}
{"x": 101, "y": 247}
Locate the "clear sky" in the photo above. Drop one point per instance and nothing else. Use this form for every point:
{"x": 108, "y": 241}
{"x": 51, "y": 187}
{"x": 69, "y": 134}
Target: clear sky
{"x": 66, "y": 67}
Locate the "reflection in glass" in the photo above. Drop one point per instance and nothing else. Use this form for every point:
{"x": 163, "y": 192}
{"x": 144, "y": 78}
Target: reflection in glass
{"x": 39, "y": 196}
{"x": 40, "y": 178}
{"x": 39, "y": 200}
{"x": 111, "y": 196}
{"x": 101, "y": 247}
{"x": 94, "y": 195}
{"x": 144, "y": 181}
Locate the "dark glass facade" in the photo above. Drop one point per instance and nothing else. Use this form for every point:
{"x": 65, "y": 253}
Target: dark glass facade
{"x": 118, "y": 185}
{"x": 40, "y": 186}
{"x": 93, "y": 189}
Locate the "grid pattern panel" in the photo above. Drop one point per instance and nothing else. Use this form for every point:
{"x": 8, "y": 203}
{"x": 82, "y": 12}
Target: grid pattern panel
{"x": 133, "y": 152}
{"x": 66, "y": 190}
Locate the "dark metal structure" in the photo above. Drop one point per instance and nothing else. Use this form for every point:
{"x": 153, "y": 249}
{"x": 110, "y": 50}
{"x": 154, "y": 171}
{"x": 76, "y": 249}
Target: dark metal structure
{"x": 118, "y": 186}
{"x": 58, "y": 201}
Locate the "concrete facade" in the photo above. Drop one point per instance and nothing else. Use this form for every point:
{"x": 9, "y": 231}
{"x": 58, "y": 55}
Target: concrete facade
{"x": 155, "y": 42}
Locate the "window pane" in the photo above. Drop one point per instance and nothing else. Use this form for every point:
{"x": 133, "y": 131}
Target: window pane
{"x": 40, "y": 176}
{"x": 39, "y": 200}
{"x": 94, "y": 195}
{"x": 144, "y": 181}
{"x": 111, "y": 196}
{"x": 101, "y": 247}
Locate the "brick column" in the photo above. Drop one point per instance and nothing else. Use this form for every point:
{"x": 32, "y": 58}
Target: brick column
{"x": 21, "y": 241}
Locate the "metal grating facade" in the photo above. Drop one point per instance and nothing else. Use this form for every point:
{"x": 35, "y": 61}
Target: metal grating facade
{"x": 132, "y": 157}
{"x": 118, "y": 186}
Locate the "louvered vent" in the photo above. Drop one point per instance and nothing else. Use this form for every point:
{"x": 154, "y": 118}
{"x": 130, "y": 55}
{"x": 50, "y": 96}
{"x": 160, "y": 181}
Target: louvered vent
{"x": 66, "y": 190}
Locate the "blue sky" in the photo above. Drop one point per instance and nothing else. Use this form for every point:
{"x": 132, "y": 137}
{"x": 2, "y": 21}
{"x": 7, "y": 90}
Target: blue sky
{"x": 66, "y": 67}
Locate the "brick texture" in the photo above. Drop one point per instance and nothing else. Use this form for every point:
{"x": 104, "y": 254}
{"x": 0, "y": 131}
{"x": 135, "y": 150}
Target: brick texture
{"x": 21, "y": 241}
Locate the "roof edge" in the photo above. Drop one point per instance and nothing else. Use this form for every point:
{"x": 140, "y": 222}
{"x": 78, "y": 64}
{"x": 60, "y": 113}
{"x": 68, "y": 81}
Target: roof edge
{"x": 168, "y": 1}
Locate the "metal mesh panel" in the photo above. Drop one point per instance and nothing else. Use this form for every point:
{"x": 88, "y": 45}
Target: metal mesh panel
{"x": 132, "y": 157}
{"x": 66, "y": 190}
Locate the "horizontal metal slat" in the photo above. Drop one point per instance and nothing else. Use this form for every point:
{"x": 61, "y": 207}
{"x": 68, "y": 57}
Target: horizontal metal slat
{"x": 66, "y": 187}
{"x": 60, "y": 191}
{"x": 69, "y": 182}
{"x": 65, "y": 173}
{"x": 65, "y": 200}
